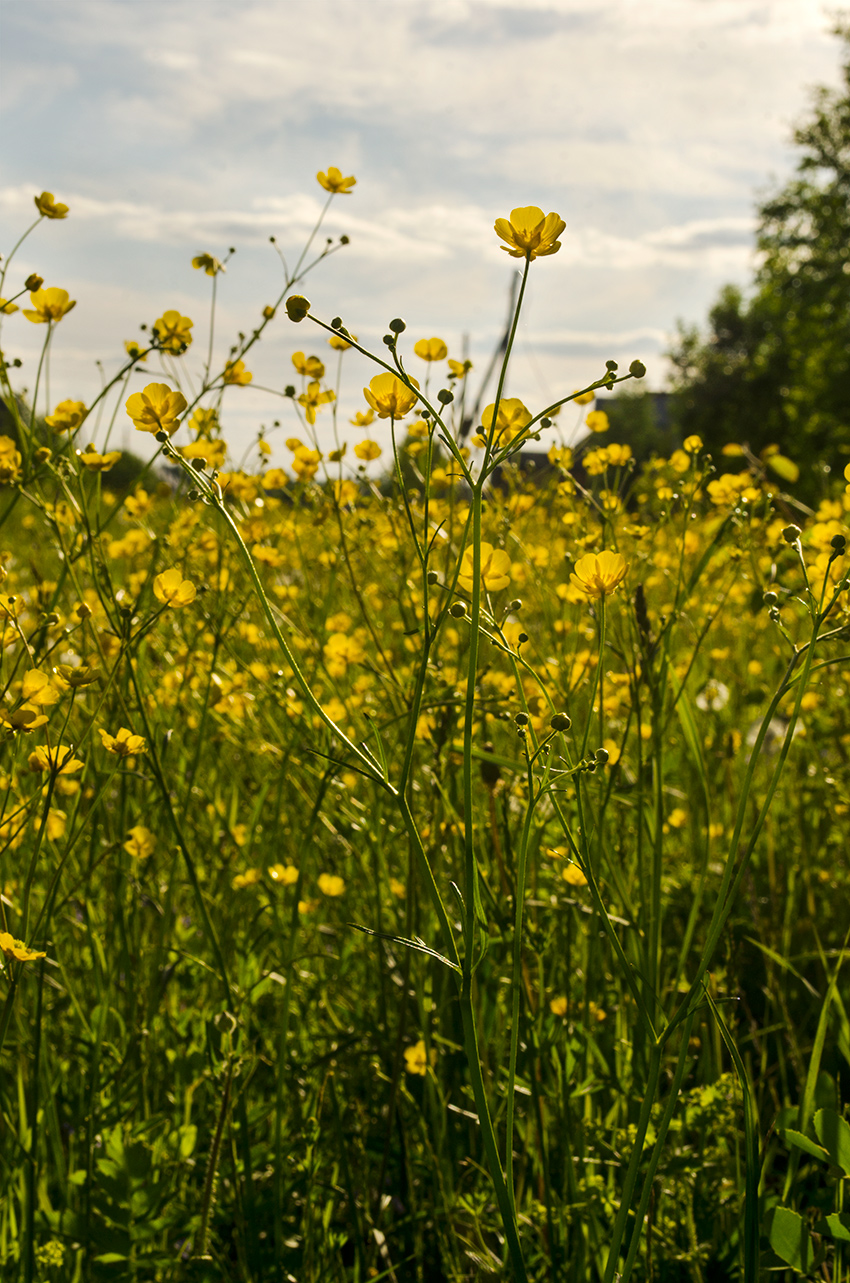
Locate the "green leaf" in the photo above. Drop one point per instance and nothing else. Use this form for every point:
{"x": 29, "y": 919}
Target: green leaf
{"x": 790, "y": 1240}
{"x": 792, "y": 1137}
{"x": 784, "y": 468}
{"x": 110, "y": 1258}
{"x": 834, "y": 1134}
{"x": 837, "y": 1225}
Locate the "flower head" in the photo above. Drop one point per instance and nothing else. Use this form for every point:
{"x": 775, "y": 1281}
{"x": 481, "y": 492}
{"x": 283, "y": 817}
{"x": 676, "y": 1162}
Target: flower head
{"x": 495, "y": 569}
{"x": 172, "y": 589}
{"x": 134, "y": 350}
{"x": 416, "y": 1058}
{"x": 59, "y": 759}
{"x": 597, "y": 421}
{"x": 508, "y": 423}
{"x": 48, "y": 305}
{"x": 529, "y": 233}
{"x": 211, "y": 265}
{"x": 313, "y": 398}
{"x": 49, "y": 207}
{"x": 431, "y": 349}
{"x": 157, "y": 409}
{"x": 284, "y": 874}
{"x": 367, "y": 450}
{"x": 340, "y": 344}
{"x": 124, "y": 743}
{"x": 334, "y": 182}
{"x": 599, "y": 574}
{"x": 235, "y": 372}
{"x": 16, "y": 949}
{"x": 330, "y": 884}
{"x": 94, "y": 462}
{"x": 172, "y": 332}
{"x": 308, "y": 366}
{"x": 140, "y": 842}
{"x": 389, "y": 397}
{"x": 7, "y": 308}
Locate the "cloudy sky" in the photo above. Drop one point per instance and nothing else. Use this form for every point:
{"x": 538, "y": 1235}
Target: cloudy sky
{"x": 651, "y": 126}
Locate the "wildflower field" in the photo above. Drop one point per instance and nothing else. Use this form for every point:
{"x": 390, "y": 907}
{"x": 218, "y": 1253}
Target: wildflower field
{"x": 413, "y": 867}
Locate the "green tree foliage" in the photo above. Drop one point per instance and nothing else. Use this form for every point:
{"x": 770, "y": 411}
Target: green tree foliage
{"x": 774, "y": 368}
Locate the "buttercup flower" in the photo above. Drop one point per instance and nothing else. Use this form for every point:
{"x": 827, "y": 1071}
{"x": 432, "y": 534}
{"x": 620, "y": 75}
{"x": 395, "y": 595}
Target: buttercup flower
{"x": 16, "y": 949}
{"x": 235, "y": 372}
{"x": 157, "y": 409}
{"x": 297, "y": 307}
{"x": 573, "y": 876}
{"x": 510, "y": 421}
{"x": 211, "y": 265}
{"x": 49, "y": 207}
{"x": 597, "y": 421}
{"x": 330, "y": 884}
{"x": 431, "y": 350}
{"x": 94, "y": 462}
{"x": 333, "y": 181}
{"x": 558, "y": 1006}
{"x": 367, "y": 450}
{"x": 7, "y": 308}
{"x": 362, "y": 418}
{"x": 285, "y": 874}
{"x": 599, "y": 575}
{"x": 495, "y": 569}
{"x": 313, "y": 398}
{"x": 389, "y": 397}
{"x": 416, "y": 1058}
{"x": 339, "y": 344}
{"x": 48, "y": 305}
{"x": 124, "y": 743}
{"x": 135, "y": 350}
{"x": 173, "y": 332}
{"x": 459, "y": 369}
{"x": 529, "y": 233}
{"x": 172, "y": 589}
{"x": 59, "y": 759}
{"x": 10, "y": 461}
{"x": 140, "y": 842}
{"x": 309, "y": 366}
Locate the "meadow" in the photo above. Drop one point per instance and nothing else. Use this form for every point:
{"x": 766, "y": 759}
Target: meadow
{"x": 414, "y": 867}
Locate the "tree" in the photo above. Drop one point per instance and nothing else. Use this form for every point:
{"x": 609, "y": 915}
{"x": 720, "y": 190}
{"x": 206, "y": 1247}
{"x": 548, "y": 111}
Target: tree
{"x": 775, "y": 368}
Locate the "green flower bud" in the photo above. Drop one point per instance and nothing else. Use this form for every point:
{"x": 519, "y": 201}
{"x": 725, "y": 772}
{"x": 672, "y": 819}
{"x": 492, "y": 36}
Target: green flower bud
{"x": 561, "y": 722}
{"x": 297, "y": 307}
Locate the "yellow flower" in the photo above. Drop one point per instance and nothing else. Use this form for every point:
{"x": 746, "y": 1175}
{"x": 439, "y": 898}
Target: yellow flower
{"x": 140, "y": 843}
{"x": 135, "y": 350}
{"x": 285, "y": 874}
{"x": 618, "y": 455}
{"x": 330, "y": 884}
{"x": 459, "y": 369}
{"x": 95, "y": 462}
{"x": 275, "y": 479}
{"x": 558, "y": 1006}
{"x": 37, "y": 689}
{"x": 246, "y": 879}
{"x": 213, "y": 451}
{"x": 431, "y": 349}
{"x": 530, "y": 234}
{"x": 297, "y": 307}
{"x": 310, "y": 366}
{"x": 211, "y": 265}
{"x": 313, "y": 398}
{"x": 584, "y": 399}
{"x": 48, "y": 305}
{"x": 124, "y": 743}
{"x": 397, "y": 888}
{"x": 59, "y": 759}
{"x": 363, "y": 419}
{"x": 509, "y": 423}
{"x": 10, "y": 461}
{"x": 678, "y": 818}
{"x": 235, "y": 372}
{"x": 693, "y": 444}
{"x": 597, "y": 421}
{"x": 732, "y": 451}
{"x": 416, "y": 1058}
{"x": 16, "y": 949}
{"x": 305, "y": 463}
{"x": 389, "y": 397}
{"x": 495, "y": 569}
{"x": 599, "y": 575}
{"x": 367, "y": 450}
{"x": 333, "y": 181}
{"x": 172, "y": 332}
{"x": 48, "y": 207}
{"x": 172, "y": 589}
{"x": 83, "y": 675}
{"x": 157, "y": 409}
{"x": 573, "y": 876}
{"x": 339, "y": 344}
{"x": 7, "y": 308}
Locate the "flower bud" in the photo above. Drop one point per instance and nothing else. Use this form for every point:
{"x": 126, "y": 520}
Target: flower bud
{"x": 199, "y": 464}
{"x": 561, "y": 722}
{"x": 336, "y": 323}
{"x": 770, "y": 599}
{"x": 791, "y": 534}
{"x": 389, "y": 340}
{"x": 637, "y": 369}
{"x": 545, "y": 423}
{"x": 344, "y": 240}
{"x": 433, "y": 577}
{"x": 34, "y": 281}
{"x": 516, "y": 604}
{"x": 522, "y": 639}
{"x": 161, "y": 436}
{"x": 521, "y": 719}
{"x": 611, "y": 365}
{"x": 268, "y": 312}
{"x": 42, "y": 454}
{"x": 601, "y": 756}
{"x": 457, "y": 610}
{"x": 839, "y": 543}
{"x": 398, "y": 326}
{"x": 297, "y": 307}
{"x": 193, "y": 495}
{"x": 445, "y": 397}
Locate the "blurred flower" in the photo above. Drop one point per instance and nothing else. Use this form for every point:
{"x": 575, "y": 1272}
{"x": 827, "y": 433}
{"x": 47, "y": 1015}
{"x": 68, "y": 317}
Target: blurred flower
{"x": 95, "y": 462}
{"x": 431, "y": 349}
{"x": 247, "y": 879}
{"x": 211, "y": 265}
{"x": 10, "y": 461}
{"x": 599, "y": 575}
{"x": 389, "y": 397}
{"x": 8, "y": 308}
{"x": 333, "y": 181}
{"x": 285, "y": 874}
{"x": 59, "y": 759}
{"x": 172, "y": 589}
{"x": 140, "y": 843}
{"x": 573, "y": 876}
{"x": 584, "y": 399}
{"x": 48, "y": 305}
{"x": 135, "y": 350}
{"x": 156, "y": 409}
{"x": 597, "y": 421}
{"x": 313, "y": 398}
{"x": 362, "y": 418}
{"x": 49, "y": 207}
{"x": 459, "y": 369}
{"x": 495, "y": 569}
{"x": 339, "y": 344}
{"x": 367, "y": 450}
{"x": 124, "y": 743}
{"x": 16, "y": 949}
{"x": 558, "y": 1006}
{"x": 416, "y": 1058}
{"x": 310, "y": 366}
{"x": 172, "y": 332}
{"x": 235, "y": 372}
{"x": 692, "y": 444}
{"x": 330, "y": 884}
{"x": 513, "y": 416}
{"x": 530, "y": 234}
{"x": 713, "y": 696}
